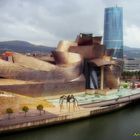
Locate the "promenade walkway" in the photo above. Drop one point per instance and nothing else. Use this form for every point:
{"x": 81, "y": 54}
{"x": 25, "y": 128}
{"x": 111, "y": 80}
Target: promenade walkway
{"x": 34, "y": 115}
{"x": 55, "y": 115}
{"x": 18, "y": 118}
{"x": 19, "y": 122}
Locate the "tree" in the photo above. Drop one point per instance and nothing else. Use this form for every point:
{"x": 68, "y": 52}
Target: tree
{"x": 136, "y": 74}
{"x": 40, "y": 108}
{"x": 124, "y": 75}
{"x": 9, "y": 111}
{"x": 139, "y": 75}
{"x": 25, "y": 109}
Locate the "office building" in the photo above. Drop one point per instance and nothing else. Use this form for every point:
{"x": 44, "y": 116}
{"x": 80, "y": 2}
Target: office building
{"x": 113, "y": 31}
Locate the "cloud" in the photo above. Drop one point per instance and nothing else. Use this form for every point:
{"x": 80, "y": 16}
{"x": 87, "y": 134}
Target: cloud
{"x": 132, "y": 36}
{"x": 47, "y": 22}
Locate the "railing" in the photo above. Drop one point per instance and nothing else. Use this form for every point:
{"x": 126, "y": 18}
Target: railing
{"x": 114, "y": 101}
{"x": 106, "y": 109}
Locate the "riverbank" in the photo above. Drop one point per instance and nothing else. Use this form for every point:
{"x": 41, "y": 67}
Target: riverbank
{"x": 55, "y": 115}
{"x": 19, "y": 124}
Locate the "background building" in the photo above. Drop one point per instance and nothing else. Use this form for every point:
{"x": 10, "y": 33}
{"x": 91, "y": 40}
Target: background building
{"x": 131, "y": 64}
{"x": 113, "y": 31}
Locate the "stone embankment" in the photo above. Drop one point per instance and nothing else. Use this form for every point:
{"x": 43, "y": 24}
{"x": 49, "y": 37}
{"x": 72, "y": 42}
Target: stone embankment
{"x": 49, "y": 119}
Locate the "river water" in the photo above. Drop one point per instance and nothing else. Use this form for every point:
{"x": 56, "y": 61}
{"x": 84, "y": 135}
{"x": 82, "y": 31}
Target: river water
{"x": 123, "y": 124}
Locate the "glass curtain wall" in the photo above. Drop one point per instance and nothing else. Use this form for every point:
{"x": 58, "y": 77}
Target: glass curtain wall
{"x": 113, "y": 31}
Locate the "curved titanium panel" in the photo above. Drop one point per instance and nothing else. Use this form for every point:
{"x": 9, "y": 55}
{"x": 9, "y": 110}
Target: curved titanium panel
{"x": 16, "y": 71}
{"x": 32, "y": 63}
{"x": 65, "y": 45}
{"x": 111, "y": 77}
{"x": 66, "y": 57}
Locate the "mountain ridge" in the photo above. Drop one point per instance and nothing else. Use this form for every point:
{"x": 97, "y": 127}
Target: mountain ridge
{"x": 23, "y": 47}
{"x": 27, "y": 47}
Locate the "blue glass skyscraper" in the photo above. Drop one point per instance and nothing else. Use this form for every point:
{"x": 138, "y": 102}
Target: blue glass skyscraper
{"x": 113, "y": 31}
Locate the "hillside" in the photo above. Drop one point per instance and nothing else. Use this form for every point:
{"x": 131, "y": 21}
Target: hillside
{"x": 132, "y": 52}
{"x": 26, "y": 47}
{"x": 23, "y": 47}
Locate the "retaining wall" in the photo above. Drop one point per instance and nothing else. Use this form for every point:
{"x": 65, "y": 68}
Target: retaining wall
{"x": 59, "y": 119}
{"x": 45, "y": 89}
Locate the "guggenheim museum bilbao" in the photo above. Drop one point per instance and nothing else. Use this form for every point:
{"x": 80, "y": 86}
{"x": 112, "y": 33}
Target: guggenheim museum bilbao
{"x": 85, "y": 63}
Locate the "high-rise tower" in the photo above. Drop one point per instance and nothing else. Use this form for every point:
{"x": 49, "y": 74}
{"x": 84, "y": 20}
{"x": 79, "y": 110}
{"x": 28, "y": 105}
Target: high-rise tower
{"x": 113, "y": 31}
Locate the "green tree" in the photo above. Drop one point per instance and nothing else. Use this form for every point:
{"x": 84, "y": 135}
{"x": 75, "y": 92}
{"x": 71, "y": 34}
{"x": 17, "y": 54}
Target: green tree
{"x": 124, "y": 75}
{"x": 40, "y": 108}
{"x": 25, "y": 109}
{"x": 139, "y": 75}
{"x": 9, "y": 111}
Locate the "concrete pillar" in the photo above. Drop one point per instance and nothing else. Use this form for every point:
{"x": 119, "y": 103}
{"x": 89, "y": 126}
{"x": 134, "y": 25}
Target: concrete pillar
{"x": 102, "y": 78}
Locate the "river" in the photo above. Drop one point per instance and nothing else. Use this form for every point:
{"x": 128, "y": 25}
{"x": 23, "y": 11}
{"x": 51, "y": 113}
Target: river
{"x": 123, "y": 124}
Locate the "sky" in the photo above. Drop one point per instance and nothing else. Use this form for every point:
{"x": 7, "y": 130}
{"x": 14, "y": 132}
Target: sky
{"x": 46, "y": 22}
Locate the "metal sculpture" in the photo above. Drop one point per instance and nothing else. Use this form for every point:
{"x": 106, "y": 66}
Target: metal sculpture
{"x": 69, "y": 99}
{"x": 61, "y": 101}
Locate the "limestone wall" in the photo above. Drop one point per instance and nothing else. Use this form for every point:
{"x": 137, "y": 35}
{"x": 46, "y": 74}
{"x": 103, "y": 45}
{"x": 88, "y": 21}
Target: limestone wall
{"x": 45, "y": 89}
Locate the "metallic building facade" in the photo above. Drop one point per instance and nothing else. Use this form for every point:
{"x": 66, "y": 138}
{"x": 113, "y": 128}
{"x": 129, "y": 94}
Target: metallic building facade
{"x": 79, "y": 65}
{"x": 113, "y": 31}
